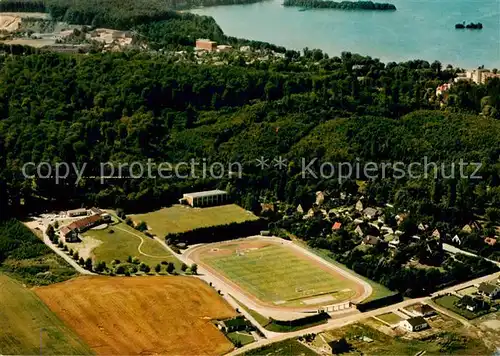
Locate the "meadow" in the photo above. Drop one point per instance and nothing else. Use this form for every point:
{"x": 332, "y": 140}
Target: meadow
{"x": 125, "y": 241}
{"x": 25, "y": 321}
{"x": 154, "y": 315}
{"x": 179, "y": 218}
{"x": 277, "y": 274}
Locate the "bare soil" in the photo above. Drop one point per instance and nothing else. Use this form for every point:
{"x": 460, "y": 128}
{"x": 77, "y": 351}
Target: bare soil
{"x": 142, "y": 315}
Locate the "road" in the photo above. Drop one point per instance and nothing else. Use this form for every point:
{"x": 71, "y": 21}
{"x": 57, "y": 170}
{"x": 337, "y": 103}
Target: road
{"x": 340, "y": 322}
{"x": 67, "y": 258}
{"x": 454, "y": 250}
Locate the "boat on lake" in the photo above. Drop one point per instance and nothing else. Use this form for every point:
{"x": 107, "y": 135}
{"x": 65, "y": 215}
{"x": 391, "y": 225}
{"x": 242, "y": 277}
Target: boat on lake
{"x": 471, "y": 26}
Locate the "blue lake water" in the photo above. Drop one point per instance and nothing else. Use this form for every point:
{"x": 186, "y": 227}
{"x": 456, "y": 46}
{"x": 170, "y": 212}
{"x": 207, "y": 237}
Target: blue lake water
{"x": 423, "y": 29}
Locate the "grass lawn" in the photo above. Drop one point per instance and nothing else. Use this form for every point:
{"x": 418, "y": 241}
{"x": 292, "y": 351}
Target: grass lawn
{"x": 468, "y": 291}
{"x": 448, "y": 302}
{"x": 180, "y": 218}
{"x": 390, "y": 318}
{"x": 239, "y": 336}
{"x": 24, "y": 318}
{"x": 124, "y": 242}
{"x": 275, "y": 273}
{"x": 378, "y": 290}
{"x": 289, "y": 347}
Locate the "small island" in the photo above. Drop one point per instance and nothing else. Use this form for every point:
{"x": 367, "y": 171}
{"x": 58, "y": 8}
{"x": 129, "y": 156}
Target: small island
{"x": 343, "y": 5}
{"x": 471, "y": 26}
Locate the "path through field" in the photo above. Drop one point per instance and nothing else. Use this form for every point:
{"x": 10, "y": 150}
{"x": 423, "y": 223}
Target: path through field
{"x": 140, "y": 245}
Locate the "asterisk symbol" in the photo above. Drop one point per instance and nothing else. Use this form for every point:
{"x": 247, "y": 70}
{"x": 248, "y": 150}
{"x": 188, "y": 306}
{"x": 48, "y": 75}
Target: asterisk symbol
{"x": 262, "y": 163}
{"x": 280, "y": 162}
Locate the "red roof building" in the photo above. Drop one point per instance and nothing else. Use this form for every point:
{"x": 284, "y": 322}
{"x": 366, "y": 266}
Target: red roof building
{"x": 337, "y": 226}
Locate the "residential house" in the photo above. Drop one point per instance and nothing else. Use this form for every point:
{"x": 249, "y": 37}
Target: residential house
{"x": 357, "y": 221}
{"x": 422, "y": 227}
{"x": 489, "y": 290}
{"x": 394, "y": 242}
{"x": 436, "y": 234}
{"x": 68, "y": 235}
{"x": 359, "y": 205}
{"x": 370, "y": 213}
{"x": 358, "y": 230}
{"x": 371, "y": 240}
{"x": 490, "y": 241}
{"x": 387, "y": 229}
{"x": 267, "y": 208}
{"x": 456, "y": 240}
{"x": 320, "y": 198}
{"x": 424, "y": 310}
{"x": 337, "y": 226}
{"x": 442, "y": 89}
{"x": 472, "y": 303}
{"x": 300, "y": 209}
{"x": 400, "y": 218}
{"x": 233, "y": 324}
{"x": 471, "y": 226}
{"x": 414, "y": 324}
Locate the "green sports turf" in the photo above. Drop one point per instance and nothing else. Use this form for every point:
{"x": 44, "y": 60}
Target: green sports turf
{"x": 276, "y": 274}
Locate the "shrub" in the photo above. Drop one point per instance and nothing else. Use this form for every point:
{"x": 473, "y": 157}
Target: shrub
{"x": 170, "y": 267}
{"x": 142, "y": 226}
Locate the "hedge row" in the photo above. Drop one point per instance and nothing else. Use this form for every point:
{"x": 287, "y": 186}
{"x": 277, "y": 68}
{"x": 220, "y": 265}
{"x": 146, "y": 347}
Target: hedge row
{"x": 217, "y": 233}
{"x": 312, "y": 319}
{"x": 381, "y": 302}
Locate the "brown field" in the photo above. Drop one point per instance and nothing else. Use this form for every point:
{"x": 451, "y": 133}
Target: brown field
{"x": 138, "y": 315}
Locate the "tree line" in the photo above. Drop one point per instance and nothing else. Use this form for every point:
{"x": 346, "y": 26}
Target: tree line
{"x": 343, "y": 5}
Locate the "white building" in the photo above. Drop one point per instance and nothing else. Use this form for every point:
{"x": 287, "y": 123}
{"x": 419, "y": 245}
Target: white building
{"x": 414, "y": 324}
{"x": 211, "y": 197}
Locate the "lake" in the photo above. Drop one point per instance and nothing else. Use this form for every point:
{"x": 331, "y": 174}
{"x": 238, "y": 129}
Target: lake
{"x": 423, "y": 29}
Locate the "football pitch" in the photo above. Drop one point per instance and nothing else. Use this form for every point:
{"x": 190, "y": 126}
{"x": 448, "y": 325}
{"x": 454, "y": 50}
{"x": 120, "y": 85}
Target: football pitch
{"x": 278, "y": 274}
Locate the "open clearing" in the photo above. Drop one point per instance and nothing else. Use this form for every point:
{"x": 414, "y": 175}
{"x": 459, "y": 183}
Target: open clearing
{"x": 123, "y": 242}
{"x": 24, "y": 319}
{"x": 180, "y": 218}
{"x": 275, "y": 273}
{"x": 137, "y": 315}
{"x": 390, "y": 318}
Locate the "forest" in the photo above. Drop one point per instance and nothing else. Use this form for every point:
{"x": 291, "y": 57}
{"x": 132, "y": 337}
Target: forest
{"x": 343, "y": 5}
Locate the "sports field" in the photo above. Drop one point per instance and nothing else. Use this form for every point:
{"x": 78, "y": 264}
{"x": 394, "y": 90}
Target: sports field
{"x": 180, "y": 218}
{"x": 147, "y": 316}
{"x": 278, "y": 274}
{"x": 26, "y": 324}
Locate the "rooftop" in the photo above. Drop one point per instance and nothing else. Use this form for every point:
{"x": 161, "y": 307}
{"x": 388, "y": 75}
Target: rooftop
{"x": 487, "y": 288}
{"x": 84, "y": 222}
{"x": 416, "y": 321}
{"x": 207, "y": 193}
